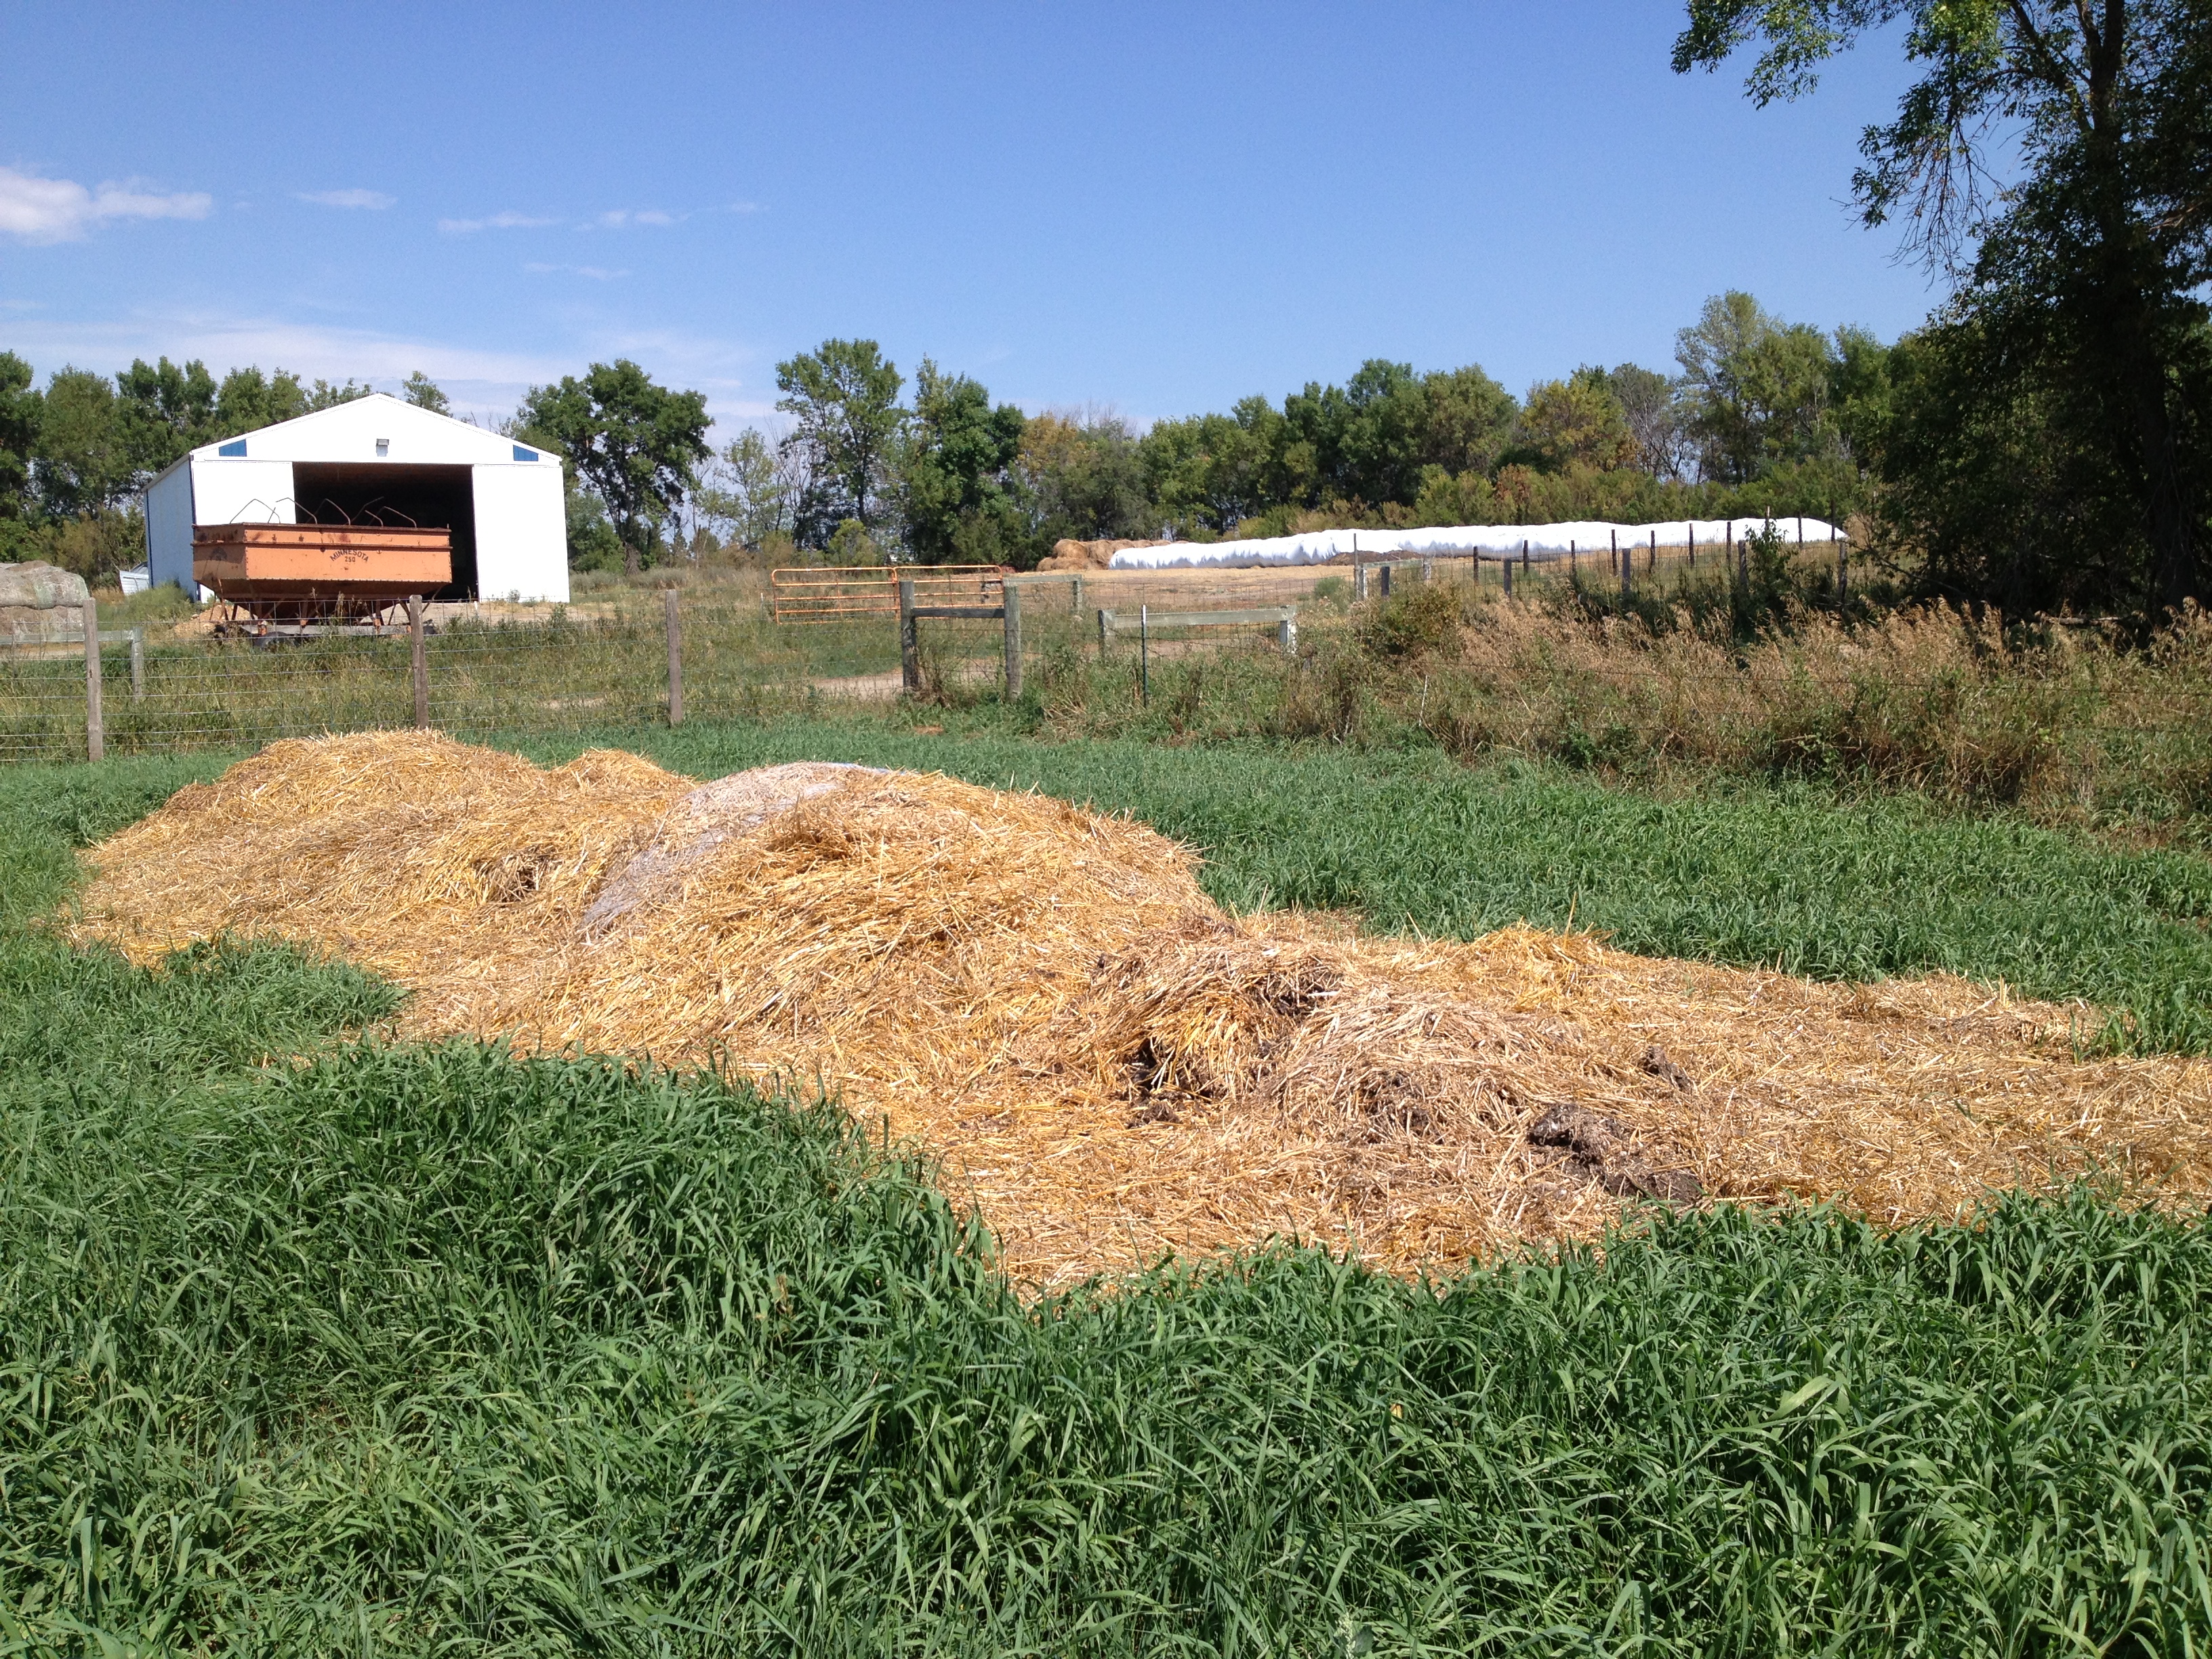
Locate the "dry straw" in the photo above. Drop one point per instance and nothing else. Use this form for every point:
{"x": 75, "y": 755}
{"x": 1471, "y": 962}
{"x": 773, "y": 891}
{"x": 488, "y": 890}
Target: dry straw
{"x": 1112, "y": 1066}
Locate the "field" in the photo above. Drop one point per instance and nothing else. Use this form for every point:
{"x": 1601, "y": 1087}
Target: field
{"x": 397, "y": 1348}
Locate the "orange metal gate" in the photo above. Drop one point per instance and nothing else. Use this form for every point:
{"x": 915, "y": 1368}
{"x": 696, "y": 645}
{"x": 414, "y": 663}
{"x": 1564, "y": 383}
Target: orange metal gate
{"x": 825, "y": 594}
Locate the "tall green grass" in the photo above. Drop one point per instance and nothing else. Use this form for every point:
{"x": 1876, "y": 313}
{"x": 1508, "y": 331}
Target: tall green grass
{"x": 316, "y": 1344}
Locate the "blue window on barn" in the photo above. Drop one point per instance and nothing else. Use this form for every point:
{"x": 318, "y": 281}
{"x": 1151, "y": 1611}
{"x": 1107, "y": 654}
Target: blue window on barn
{"x": 236, "y": 447}
{"x": 522, "y": 454}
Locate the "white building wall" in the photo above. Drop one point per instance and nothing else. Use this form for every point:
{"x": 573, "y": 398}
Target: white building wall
{"x": 169, "y": 529}
{"x": 522, "y": 532}
{"x": 228, "y": 491}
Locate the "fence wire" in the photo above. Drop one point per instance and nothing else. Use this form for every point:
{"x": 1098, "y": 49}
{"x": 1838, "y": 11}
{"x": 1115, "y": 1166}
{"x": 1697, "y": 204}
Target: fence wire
{"x": 570, "y": 673}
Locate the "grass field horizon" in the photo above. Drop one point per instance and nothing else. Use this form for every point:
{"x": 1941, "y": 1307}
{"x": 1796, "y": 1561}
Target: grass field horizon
{"x": 406, "y": 1349}
{"x": 1796, "y": 876}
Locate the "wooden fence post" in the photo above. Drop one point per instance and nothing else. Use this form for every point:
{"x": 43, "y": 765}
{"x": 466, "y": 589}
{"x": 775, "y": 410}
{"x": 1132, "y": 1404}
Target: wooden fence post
{"x": 419, "y": 661}
{"x": 1651, "y": 564}
{"x": 1623, "y": 562}
{"x": 1358, "y": 578}
{"x": 1386, "y": 581}
{"x": 1286, "y": 633}
{"x": 1574, "y": 562}
{"x": 1505, "y": 564}
{"x": 1102, "y": 634}
{"x": 95, "y": 725}
{"x": 1078, "y": 606}
{"x": 137, "y": 665}
{"x": 675, "y": 660}
{"x": 909, "y": 642}
{"x": 1013, "y": 641}
{"x": 1524, "y": 558}
{"x": 1692, "y": 523}
{"x": 1144, "y": 654}
{"x": 1843, "y": 548}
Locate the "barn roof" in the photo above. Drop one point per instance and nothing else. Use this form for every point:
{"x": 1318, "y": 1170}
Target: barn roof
{"x": 351, "y": 432}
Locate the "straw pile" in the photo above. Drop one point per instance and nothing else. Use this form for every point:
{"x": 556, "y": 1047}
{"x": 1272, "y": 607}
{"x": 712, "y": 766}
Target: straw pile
{"x": 1110, "y": 1066}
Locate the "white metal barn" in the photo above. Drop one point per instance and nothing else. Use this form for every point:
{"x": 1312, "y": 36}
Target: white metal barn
{"x": 377, "y": 460}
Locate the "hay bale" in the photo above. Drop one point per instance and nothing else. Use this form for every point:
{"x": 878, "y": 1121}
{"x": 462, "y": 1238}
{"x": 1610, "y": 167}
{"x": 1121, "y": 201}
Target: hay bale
{"x": 1111, "y": 1067}
{"x": 1068, "y": 554}
{"x": 40, "y": 601}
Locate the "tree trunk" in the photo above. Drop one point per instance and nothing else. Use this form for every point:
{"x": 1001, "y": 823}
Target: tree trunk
{"x": 633, "y": 563}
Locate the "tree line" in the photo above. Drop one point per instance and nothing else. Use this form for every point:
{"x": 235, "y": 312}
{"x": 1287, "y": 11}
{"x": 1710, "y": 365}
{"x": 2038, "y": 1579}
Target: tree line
{"x": 1762, "y": 415}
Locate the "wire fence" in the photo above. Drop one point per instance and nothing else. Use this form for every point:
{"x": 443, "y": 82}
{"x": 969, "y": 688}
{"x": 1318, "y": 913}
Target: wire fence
{"x": 719, "y": 654}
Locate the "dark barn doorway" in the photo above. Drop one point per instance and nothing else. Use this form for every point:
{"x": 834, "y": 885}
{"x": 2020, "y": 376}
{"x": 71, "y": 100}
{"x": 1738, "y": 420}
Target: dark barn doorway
{"x": 396, "y": 493}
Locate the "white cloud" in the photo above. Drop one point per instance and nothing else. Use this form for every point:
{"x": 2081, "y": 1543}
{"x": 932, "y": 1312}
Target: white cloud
{"x": 507, "y": 221}
{"x": 597, "y": 273}
{"x": 35, "y": 210}
{"x": 622, "y": 216}
{"x": 374, "y": 199}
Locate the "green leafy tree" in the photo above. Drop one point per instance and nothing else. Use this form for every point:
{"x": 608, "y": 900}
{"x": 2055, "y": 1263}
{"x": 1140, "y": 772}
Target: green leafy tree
{"x": 19, "y": 407}
{"x": 956, "y": 468}
{"x": 420, "y": 390}
{"x": 162, "y": 410}
{"x": 843, "y": 399}
{"x": 1084, "y": 476}
{"x": 635, "y": 443}
{"x": 1577, "y": 421}
{"x": 1213, "y": 471}
{"x": 2082, "y": 254}
{"x": 1756, "y": 388}
{"x": 1468, "y": 420}
{"x": 80, "y": 465}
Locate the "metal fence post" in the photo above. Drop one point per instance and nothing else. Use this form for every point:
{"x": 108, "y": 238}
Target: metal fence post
{"x": 95, "y": 727}
{"x": 675, "y": 660}
{"x": 909, "y": 643}
{"x": 419, "y": 661}
{"x": 1843, "y": 548}
{"x": 137, "y": 665}
{"x": 1524, "y": 558}
{"x": 1013, "y": 641}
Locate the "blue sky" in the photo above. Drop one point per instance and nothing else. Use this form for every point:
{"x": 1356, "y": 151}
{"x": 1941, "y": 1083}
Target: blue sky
{"x": 1155, "y": 209}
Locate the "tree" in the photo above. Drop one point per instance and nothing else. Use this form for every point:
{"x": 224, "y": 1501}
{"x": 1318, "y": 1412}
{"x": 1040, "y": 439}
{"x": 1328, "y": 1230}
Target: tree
{"x": 637, "y": 444}
{"x": 1755, "y": 388}
{"x": 1577, "y": 421}
{"x": 1649, "y": 404}
{"x": 1084, "y": 476}
{"x": 1468, "y": 420}
{"x": 79, "y": 465}
{"x": 749, "y": 490}
{"x": 844, "y": 401}
{"x": 19, "y": 407}
{"x": 955, "y": 468}
{"x": 162, "y": 410}
{"x": 420, "y": 390}
{"x": 2081, "y": 284}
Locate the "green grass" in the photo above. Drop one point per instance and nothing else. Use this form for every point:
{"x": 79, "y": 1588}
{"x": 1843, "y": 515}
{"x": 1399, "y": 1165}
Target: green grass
{"x": 409, "y": 1350}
